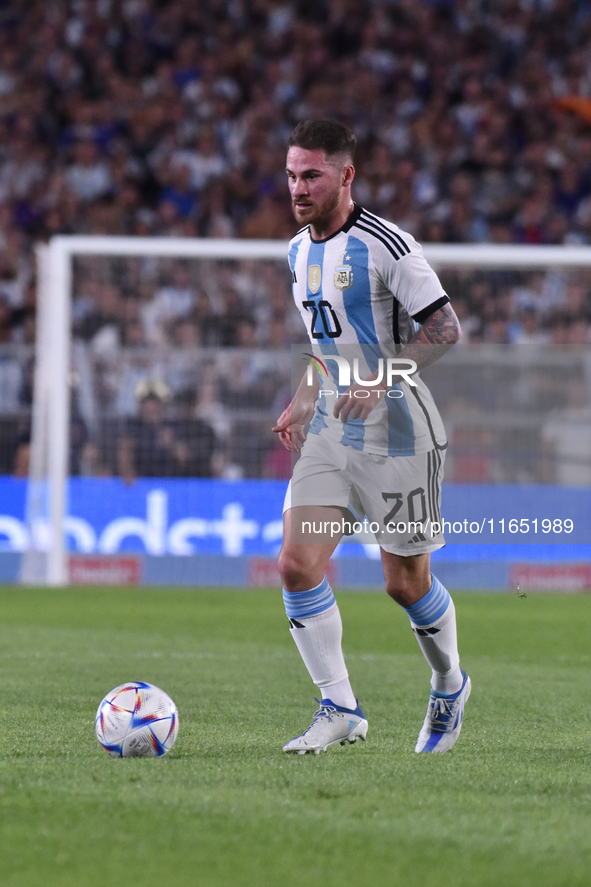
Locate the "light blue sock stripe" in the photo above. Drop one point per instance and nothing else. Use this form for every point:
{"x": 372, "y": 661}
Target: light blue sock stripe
{"x": 431, "y": 607}
{"x": 299, "y": 604}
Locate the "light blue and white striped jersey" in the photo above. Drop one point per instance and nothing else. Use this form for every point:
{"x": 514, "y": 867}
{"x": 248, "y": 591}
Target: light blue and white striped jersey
{"x": 363, "y": 291}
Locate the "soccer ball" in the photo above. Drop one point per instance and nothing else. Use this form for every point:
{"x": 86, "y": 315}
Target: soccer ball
{"x": 137, "y": 720}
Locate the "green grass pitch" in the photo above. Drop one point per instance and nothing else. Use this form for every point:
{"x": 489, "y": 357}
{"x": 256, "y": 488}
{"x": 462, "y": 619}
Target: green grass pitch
{"x": 510, "y": 805}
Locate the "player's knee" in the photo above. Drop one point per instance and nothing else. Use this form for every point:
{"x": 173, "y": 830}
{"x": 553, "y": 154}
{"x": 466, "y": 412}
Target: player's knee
{"x": 407, "y": 579}
{"x": 402, "y": 591}
{"x": 407, "y": 588}
{"x": 291, "y": 568}
{"x": 298, "y": 569}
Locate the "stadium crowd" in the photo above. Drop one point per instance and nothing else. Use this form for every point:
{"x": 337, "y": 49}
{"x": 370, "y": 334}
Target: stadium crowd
{"x": 170, "y": 117}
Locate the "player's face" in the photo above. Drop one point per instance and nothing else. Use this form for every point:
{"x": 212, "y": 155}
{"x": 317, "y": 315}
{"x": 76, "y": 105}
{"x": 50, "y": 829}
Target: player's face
{"x": 319, "y": 188}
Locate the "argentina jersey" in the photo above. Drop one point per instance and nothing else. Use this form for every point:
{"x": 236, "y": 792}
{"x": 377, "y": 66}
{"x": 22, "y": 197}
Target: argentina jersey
{"x": 361, "y": 294}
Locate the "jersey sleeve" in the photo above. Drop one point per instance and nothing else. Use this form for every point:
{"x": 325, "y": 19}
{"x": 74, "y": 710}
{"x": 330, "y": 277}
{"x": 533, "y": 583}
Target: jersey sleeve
{"x": 413, "y": 282}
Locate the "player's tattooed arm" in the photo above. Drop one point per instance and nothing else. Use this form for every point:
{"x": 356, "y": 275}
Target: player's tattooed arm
{"x": 435, "y": 336}
{"x": 439, "y": 332}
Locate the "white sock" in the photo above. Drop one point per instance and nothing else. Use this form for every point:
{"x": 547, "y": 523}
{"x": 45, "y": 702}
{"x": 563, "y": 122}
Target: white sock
{"x": 340, "y": 693}
{"x": 318, "y": 638}
{"x": 433, "y": 620}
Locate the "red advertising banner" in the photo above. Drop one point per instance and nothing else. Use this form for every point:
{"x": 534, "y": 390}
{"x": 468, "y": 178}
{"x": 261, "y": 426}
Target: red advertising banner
{"x": 105, "y": 570}
{"x": 552, "y": 577}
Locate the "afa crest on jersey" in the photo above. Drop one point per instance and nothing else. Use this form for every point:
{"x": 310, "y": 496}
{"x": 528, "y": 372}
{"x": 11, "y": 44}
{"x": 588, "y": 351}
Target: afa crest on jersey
{"x": 343, "y": 275}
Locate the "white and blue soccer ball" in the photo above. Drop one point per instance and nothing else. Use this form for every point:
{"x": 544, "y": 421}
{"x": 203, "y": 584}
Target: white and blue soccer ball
{"x": 137, "y": 720}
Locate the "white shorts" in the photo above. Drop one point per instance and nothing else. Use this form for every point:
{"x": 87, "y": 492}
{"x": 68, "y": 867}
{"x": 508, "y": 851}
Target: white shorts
{"x": 399, "y": 496}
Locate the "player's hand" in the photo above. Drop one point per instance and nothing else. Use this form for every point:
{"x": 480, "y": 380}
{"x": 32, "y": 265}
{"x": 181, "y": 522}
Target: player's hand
{"x": 291, "y": 434}
{"x": 348, "y": 406}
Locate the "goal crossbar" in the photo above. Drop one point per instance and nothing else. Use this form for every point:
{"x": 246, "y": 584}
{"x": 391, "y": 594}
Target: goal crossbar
{"x": 460, "y": 255}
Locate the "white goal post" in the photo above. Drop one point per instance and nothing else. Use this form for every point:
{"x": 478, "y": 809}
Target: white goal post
{"x": 51, "y": 402}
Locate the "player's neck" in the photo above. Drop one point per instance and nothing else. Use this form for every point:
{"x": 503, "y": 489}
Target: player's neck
{"x": 322, "y": 230}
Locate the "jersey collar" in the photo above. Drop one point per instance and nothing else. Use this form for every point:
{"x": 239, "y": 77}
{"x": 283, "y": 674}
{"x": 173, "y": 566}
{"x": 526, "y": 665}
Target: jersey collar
{"x": 353, "y": 217}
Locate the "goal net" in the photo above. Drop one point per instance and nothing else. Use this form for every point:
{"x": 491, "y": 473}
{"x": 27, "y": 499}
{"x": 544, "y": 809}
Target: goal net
{"x": 162, "y": 364}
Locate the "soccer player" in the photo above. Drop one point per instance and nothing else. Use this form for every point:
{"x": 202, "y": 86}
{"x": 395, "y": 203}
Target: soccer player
{"x": 375, "y": 444}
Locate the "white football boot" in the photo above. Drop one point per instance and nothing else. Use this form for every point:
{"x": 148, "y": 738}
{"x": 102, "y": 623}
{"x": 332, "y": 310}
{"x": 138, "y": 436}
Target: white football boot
{"x": 443, "y": 722}
{"x": 332, "y": 724}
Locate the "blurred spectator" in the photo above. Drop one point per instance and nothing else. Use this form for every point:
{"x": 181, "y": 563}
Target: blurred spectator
{"x": 170, "y": 303}
{"x": 178, "y": 190}
{"x": 527, "y": 329}
{"x": 215, "y": 217}
{"x": 197, "y": 433}
{"x": 245, "y": 332}
{"x": 203, "y": 164}
{"x": 271, "y": 219}
{"x": 152, "y": 446}
{"x": 88, "y": 176}
{"x": 101, "y": 322}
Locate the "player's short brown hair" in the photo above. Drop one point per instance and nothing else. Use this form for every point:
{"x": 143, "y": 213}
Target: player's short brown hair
{"x": 324, "y": 134}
